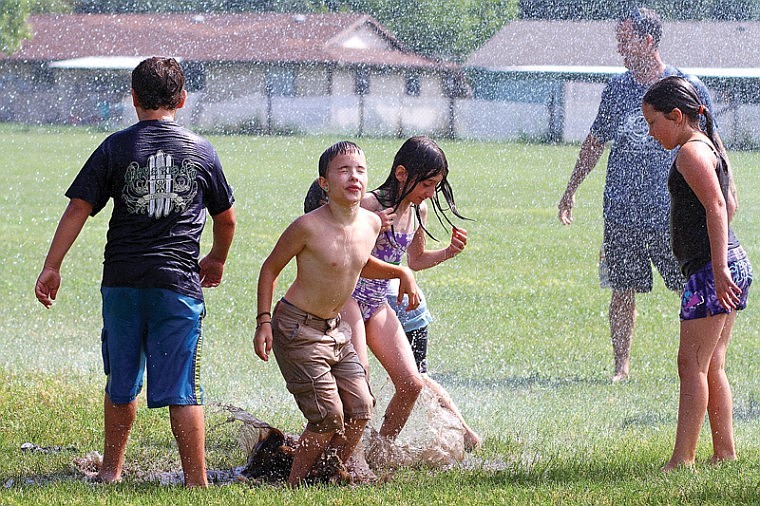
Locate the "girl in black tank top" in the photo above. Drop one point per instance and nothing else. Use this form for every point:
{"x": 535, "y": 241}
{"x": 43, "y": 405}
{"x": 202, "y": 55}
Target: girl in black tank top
{"x": 688, "y": 221}
{"x": 702, "y": 204}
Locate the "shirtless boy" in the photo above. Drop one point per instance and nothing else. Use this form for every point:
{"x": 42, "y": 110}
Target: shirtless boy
{"x": 311, "y": 344}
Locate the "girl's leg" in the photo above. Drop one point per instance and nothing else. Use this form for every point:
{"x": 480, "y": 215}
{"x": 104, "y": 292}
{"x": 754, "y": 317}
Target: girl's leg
{"x": 698, "y": 341}
{"x": 720, "y": 405}
{"x": 388, "y": 343}
{"x": 352, "y": 315}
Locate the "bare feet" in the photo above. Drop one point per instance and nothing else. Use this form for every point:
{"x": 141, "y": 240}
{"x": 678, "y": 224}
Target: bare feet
{"x": 91, "y": 467}
{"x": 105, "y": 478}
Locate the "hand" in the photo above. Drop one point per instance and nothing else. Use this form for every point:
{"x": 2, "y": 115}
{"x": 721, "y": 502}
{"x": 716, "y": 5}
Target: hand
{"x": 726, "y": 290}
{"x": 262, "y": 341}
{"x": 458, "y": 242}
{"x": 408, "y": 286}
{"x": 211, "y": 272}
{"x": 565, "y": 207}
{"x": 387, "y": 219}
{"x": 48, "y": 283}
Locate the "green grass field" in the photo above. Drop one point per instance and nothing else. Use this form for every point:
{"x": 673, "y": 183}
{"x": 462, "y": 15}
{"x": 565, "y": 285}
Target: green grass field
{"x": 520, "y": 340}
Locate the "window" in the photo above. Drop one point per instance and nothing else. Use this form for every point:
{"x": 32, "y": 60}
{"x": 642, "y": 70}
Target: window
{"x": 361, "y": 85}
{"x": 281, "y": 81}
{"x": 413, "y": 85}
{"x": 195, "y": 75}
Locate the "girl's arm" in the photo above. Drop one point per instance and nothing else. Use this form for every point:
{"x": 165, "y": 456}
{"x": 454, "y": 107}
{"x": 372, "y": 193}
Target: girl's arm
{"x": 697, "y": 165}
{"x": 733, "y": 197}
{"x": 418, "y": 258}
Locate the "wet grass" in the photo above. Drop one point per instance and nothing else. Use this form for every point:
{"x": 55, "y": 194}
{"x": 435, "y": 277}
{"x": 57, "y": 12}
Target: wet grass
{"x": 520, "y": 340}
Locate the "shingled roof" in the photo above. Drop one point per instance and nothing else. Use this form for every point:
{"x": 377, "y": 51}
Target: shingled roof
{"x": 694, "y": 44}
{"x": 264, "y": 38}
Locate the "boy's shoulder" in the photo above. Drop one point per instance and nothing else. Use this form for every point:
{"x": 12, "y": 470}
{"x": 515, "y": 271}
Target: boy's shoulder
{"x": 322, "y": 216}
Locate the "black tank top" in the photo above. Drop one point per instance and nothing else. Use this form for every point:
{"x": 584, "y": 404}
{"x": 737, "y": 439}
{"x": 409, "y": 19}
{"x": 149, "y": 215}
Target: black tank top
{"x": 688, "y": 220}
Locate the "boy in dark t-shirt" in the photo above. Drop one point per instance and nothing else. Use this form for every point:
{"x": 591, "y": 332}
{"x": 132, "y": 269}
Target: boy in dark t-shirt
{"x": 162, "y": 179}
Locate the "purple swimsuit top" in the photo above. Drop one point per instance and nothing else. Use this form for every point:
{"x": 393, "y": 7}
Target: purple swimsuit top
{"x": 392, "y": 247}
{"x": 370, "y": 293}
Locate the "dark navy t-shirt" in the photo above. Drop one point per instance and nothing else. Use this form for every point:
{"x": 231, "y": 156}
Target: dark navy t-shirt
{"x": 162, "y": 178}
{"x": 636, "y": 191}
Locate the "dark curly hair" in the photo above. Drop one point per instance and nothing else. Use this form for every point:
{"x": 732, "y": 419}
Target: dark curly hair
{"x": 158, "y": 83}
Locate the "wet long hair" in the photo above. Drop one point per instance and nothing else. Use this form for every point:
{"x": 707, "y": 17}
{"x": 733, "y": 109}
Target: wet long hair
{"x": 158, "y": 83}
{"x": 675, "y": 92}
{"x": 315, "y": 198}
{"x": 423, "y": 159}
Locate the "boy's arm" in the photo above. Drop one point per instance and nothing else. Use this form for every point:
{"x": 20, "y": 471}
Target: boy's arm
{"x": 290, "y": 243}
{"x": 377, "y": 269}
{"x": 72, "y": 221}
{"x": 212, "y": 265}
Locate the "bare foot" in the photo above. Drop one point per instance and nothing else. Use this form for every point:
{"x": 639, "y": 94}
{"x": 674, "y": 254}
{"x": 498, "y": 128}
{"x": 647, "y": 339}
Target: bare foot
{"x": 671, "y": 465}
{"x": 359, "y": 469}
{"x": 620, "y": 377}
{"x": 106, "y": 478}
{"x": 471, "y": 440}
{"x": 715, "y": 460}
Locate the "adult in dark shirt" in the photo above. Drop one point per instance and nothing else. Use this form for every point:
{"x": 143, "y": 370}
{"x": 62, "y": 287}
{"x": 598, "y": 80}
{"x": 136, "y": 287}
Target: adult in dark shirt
{"x": 636, "y": 201}
{"x": 162, "y": 179}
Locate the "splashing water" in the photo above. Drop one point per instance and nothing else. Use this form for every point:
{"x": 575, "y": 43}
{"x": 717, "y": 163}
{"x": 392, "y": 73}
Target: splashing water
{"x": 432, "y": 436}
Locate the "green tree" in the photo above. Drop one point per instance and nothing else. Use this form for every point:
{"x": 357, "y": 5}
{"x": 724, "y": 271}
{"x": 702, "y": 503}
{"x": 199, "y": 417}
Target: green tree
{"x": 13, "y": 27}
{"x": 447, "y": 29}
{"x": 13, "y": 14}
{"x": 49, "y": 6}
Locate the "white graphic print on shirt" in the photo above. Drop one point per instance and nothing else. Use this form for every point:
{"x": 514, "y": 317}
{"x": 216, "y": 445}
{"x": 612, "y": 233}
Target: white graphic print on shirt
{"x": 161, "y": 187}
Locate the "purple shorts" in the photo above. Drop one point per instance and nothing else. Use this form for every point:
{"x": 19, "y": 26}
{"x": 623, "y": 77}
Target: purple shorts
{"x": 699, "y": 299}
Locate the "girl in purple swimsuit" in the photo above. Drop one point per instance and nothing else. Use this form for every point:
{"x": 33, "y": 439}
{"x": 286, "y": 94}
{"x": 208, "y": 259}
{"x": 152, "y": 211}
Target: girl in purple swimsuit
{"x": 419, "y": 173}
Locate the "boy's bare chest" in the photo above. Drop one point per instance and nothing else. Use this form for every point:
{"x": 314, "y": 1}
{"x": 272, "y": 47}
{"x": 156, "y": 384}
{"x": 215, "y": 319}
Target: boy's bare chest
{"x": 346, "y": 249}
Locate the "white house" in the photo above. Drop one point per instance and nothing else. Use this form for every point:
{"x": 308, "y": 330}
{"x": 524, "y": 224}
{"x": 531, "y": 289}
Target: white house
{"x": 316, "y": 73}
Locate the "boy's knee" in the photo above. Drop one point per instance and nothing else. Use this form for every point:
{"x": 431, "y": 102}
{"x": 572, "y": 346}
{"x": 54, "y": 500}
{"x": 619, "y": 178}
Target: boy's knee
{"x": 331, "y": 422}
{"x": 360, "y": 411}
